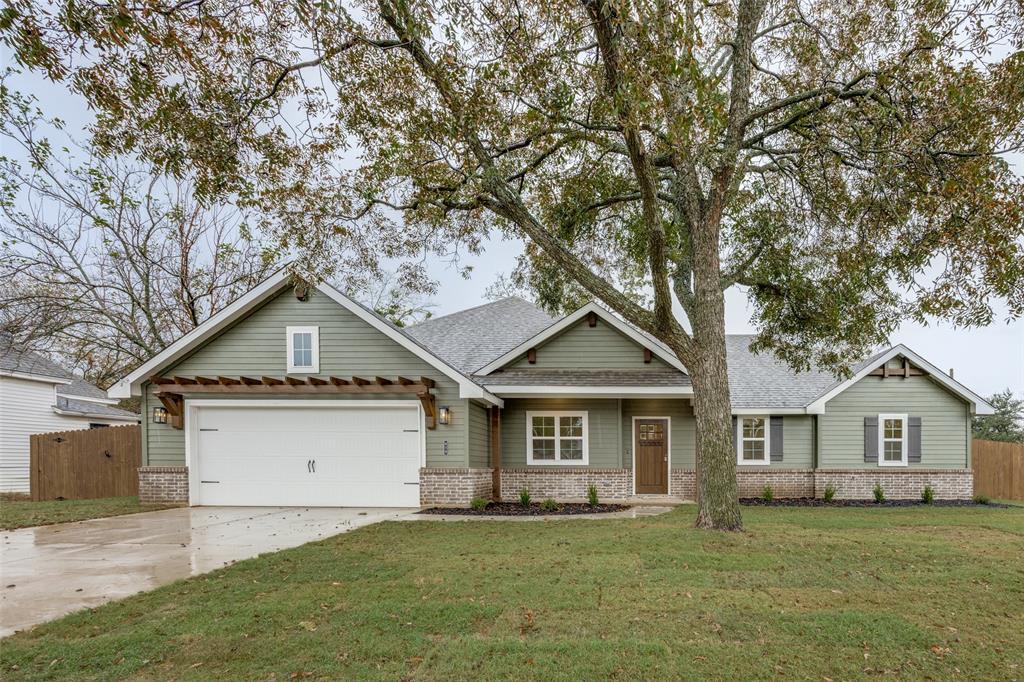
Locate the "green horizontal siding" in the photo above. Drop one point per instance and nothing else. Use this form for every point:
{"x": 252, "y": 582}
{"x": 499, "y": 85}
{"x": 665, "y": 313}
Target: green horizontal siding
{"x": 479, "y": 437}
{"x": 945, "y": 422}
{"x": 602, "y": 419}
{"x": 585, "y": 347}
{"x": 256, "y": 346}
{"x": 682, "y": 432}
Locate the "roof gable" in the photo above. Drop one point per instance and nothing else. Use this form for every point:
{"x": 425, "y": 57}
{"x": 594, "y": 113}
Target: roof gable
{"x": 242, "y": 308}
{"x": 569, "y": 322}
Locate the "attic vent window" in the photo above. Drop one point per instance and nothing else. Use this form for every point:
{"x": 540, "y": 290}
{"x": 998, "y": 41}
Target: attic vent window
{"x": 303, "y": 350}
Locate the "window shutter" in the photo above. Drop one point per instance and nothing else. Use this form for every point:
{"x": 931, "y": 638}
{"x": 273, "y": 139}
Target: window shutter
{"x": 914, "y": 440}
{"x": 775, "y": 434}
{"x": 735, "y": 434}
{"x": 871, "y": 439}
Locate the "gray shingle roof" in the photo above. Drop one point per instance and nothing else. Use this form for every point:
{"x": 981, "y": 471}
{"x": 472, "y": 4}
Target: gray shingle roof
{"x": 763, "y": 380}
{"x": 585, "y": 377}
{"x": 86, "y": 408}
{"x": 471, "y": 338}
{"x": 24, "y": 361}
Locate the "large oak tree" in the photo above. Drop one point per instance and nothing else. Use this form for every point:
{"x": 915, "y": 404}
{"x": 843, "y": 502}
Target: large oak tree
{"x": 843, "y": 160}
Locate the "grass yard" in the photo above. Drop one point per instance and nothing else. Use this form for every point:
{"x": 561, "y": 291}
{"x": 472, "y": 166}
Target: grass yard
{"x": 918, "y": 593}
{"x": 22, "y": 513}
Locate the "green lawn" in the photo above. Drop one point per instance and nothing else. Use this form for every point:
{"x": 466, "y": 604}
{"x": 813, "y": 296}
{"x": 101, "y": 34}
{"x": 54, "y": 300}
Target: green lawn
{"x": 19, "y": 513}
{"x": 817, "y": 594}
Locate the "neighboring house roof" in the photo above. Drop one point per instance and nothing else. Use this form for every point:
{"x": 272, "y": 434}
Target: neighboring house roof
{"x": 469, "y": 339}
{"x": 74, "y": 395}
{"x": 21, "y": 362}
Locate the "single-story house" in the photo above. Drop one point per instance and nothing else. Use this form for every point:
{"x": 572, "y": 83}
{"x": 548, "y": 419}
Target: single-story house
{"x": 40, "y": 396}
{"x": 305, "y": 397}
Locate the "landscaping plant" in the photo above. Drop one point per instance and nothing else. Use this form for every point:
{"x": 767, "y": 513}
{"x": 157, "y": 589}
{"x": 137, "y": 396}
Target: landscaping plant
{"x": 479, "y": 503}
{"x": 549, "y": 505}
{"x": 767, "y": 494}
{"x": 928, "y": 495}
{"x": 830, "y": 492}
{"x": 592, "y": 495}
{"x": 524, "y": 497}
{"x": 879, "y": 493}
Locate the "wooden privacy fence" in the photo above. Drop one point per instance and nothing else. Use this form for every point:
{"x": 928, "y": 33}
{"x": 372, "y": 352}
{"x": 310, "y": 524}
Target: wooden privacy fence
{"x": 998, "y": 469}
{"x": 86, "y": 464}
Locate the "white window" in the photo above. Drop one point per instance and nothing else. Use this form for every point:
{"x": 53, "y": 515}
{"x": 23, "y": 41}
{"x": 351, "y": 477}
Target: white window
{"x": 303, "y": 350}
{"x": 556, "y": 438}
{"x": 752, "y": 441}
{"x": 892, "y": 440}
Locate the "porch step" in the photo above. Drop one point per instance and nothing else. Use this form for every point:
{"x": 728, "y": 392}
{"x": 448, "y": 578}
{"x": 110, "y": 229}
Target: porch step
{"x": 657, "y": 500}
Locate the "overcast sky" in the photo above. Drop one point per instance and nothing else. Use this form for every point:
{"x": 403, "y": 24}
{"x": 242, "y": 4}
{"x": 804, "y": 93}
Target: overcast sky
{"x": 987, "y": 360}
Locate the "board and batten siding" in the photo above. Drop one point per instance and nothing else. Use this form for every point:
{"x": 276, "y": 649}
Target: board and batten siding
{"x": 945, "y": 422}
{"x": 26, "y": 407}
{"x": 585, "y": 347}
{"x": 256, "y": 346}
{"x": 602, "y": 436}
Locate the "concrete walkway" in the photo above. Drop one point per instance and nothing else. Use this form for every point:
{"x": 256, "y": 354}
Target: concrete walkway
{"x": 49, "y": 571}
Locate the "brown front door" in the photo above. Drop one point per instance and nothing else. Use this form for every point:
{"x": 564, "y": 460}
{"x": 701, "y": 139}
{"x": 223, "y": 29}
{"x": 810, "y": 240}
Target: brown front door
{"x": 651, "y": 449}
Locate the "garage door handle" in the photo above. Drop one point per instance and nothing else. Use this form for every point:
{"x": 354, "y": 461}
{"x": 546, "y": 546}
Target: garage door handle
{"x": 314, "y": 466}
{"x": 309, "y": 466}
{"x": 413, "y": 483}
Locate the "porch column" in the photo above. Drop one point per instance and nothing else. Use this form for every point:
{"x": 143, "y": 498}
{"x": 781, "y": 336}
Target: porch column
{"x": 496, "y": 453}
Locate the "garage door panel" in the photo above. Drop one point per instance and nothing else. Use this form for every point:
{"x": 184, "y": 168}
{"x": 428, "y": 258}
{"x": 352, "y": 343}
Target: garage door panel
{"x": 308, "y": 456}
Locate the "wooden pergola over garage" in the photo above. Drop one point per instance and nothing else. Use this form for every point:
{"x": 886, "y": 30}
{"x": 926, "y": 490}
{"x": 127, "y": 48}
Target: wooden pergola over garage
{"x": 172, "y": 390}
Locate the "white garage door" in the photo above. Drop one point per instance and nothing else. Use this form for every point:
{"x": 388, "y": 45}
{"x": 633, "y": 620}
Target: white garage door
{"x": 344, "y": 456}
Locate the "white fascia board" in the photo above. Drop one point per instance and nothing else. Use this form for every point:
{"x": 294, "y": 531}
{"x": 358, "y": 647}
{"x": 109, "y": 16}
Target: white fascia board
{"x": 592, "y": 391}
{"x": 978, "y": 404}
{"x": 467, "y": 387}
{"x": 89, "y": 415}
{"x": 132, "y": 384}
{"x": 644, "y": 340}
{"x": 88, "y": 399}
{"x": 42, "y": 378}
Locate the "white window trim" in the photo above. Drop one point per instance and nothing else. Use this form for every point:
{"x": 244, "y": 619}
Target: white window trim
{"x": 558, "y": 452}
{"x": 767, "y": 441}
{"x": 904, "y": 460}
{"x": 315, "y": 336}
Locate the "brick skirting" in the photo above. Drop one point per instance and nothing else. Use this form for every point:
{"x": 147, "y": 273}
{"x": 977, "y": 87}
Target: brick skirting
{"x": 163, "y": 484}
{"x": 454, "y": 487}
{"x": 784, "y": 482}
{"x": 901, "y": 484}
{"x": 566, "y": 483}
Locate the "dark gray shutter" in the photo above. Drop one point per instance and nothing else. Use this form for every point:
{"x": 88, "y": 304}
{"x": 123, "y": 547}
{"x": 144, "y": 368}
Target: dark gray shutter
{"x": 735, "y": 434}
{"x": 914, "y": 439}
{"x": 871, "y": 439}
{"x": 775, "y": 433}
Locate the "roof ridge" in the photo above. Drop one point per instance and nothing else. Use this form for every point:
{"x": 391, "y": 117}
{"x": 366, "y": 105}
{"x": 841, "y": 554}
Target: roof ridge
{"x": 475, "y": 307}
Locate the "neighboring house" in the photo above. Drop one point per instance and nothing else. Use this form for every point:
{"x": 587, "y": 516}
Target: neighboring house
{"x": 39, "y": 396}
{"x": 293, "y": 397}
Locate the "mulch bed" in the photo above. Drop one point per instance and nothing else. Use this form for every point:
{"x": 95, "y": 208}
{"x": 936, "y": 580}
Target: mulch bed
{"x": 818, "y": 502}
{"x": 516, "y": 509}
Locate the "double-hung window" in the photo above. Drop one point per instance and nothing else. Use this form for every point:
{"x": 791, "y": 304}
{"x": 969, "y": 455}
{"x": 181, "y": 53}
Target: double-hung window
{"x": 303, "y": 350}
{"x": 892, "y": 440}
{"x": 556, "y": 438}
{"x": 752, "y": 441}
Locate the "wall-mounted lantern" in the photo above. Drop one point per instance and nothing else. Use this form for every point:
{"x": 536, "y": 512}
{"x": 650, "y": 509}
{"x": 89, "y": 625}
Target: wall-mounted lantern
{"x": 159, "y": 415}
{"x": 445, "y": 415}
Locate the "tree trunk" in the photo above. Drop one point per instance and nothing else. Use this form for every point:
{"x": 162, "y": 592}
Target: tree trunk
{"x": 717, "y": 491}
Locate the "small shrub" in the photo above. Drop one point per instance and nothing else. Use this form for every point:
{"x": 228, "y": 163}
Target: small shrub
{"x": 982, "y": 499}
{"x": 524, "y": 497}
{"x": 767, "y": 494}
{"x": 830, "y": 492}
{"x": 928, "y": 494}
{"x": 592, "y": 495}
{"x": 879, "y": 493}
{"x": 479, "y": 503}
{"x": 549, "y": 505}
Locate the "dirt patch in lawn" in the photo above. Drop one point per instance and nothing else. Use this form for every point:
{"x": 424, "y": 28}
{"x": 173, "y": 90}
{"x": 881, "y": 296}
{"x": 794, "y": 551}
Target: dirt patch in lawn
{"x": 535, "y": 509}
{"x": 818, "y": 502}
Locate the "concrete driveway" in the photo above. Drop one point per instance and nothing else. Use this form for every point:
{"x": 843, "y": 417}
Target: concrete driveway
{"x": 49, "y": 571}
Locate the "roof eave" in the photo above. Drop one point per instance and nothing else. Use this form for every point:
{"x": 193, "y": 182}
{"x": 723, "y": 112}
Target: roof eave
{"x": 548, "y": 391}
{"x": 91, "y": 415}
{"x": 29, "y": 376}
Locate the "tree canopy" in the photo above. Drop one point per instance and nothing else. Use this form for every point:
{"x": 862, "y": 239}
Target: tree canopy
{"x": 1007, "y": 424}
